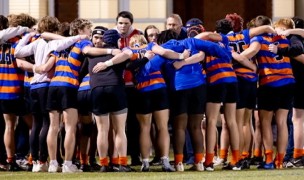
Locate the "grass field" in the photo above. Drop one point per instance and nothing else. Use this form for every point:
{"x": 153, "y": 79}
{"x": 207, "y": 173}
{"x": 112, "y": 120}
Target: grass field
{"x": 286, "y": 174}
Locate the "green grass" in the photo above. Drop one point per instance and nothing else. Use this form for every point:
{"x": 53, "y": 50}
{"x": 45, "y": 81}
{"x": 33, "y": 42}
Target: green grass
{"x": 286, "y": 174}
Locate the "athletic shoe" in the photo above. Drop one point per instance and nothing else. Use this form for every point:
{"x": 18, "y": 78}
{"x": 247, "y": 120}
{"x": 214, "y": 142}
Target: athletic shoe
{"x": 95, "y": 167}
{"x": 256, "y": 160}
{"x": 229, "y": 166}
{"x": 209, "y": 167}
{"x": 54, "y": 168}
{"x": 104, "y": 169}
{"x": 24, "y": 164}
{"x": 122, "y": 168}
{"x": 42, "y": 167}
{"x": 295, "y": 163}
{"x": 3, "y": 167}
{"x": 70, "y": 169}
{"x": 85, "y": 168}
{"x": 166, "y": 166}
{"x": 179, "y": 167}
{"x": 198, "y": 167}
{"x": 265, "y": 165}
{"x": 145, "y": 166}
{"x": 219, "y": 161}
{"x": 245, "y": 163}
{"x": 13, "y": 166}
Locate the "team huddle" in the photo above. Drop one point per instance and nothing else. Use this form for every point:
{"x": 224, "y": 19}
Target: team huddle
{"x": 103, "y": 85}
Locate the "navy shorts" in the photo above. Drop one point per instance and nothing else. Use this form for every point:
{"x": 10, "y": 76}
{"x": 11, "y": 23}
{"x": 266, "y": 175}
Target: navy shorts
{"x": 84, "y": 102}
{"x": 150, "y": 101}
{"x": 190, "y": 101}
{"x": 39, "y": 100}
{"x": 106, "y": 99}
{"x": 247, "y": 94}
{"x": 61, "y": 98}
{"x": 222, "y": 93}
{"x": 274, "y": 98}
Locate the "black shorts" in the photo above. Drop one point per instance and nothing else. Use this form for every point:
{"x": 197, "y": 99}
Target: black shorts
{"x": 39, "y": 100}
{"x": 190, "y": 101}
{"x": 106, "y": 99}
{"x": 148, "y": 102}
{"x": 84, "y": 102}
{"x": 222, "y": 93}
{"x": 247, "y": 94}
{"x": 13, "y": 106}
{"x": 274, "y": 98}
{"x": 61, "y": 98}
{"x": 298, "y": 96}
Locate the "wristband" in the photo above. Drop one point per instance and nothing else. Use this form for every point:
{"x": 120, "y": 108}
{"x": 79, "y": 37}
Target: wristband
{"x": 109, "y": 63}
{"x": 34, "y": 69}
{"x": 181, "y": 56}
{"x": 109, "y": 51}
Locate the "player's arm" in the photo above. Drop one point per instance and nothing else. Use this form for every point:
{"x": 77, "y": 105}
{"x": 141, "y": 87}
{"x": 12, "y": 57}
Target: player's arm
{"x": 210, "y": 36}
{"x": 252, "y": 50}
{"x": 24, "y": 65}
{"x": 244, "y": 61}
{"x": 190, "y": 60}
{"x": 44, "y": 68}
{"x": 261, "y": 30}
{"x": 168, "y": 53}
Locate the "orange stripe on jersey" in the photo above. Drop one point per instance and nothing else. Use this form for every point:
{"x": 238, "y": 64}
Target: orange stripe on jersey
{"x": 75, "y": 62}
{"x": 273, "y": 78}
{"x": 220, "y": 75}
{"x": 63, "y": 68}
{"x": 65, "y": 79}
{"x": 270, "y": 71}
{"x": 9, "y": 89}
{"x": 12, "y": 77}
{"x": 150, "y": 82}
{"x": 76, "y": 50}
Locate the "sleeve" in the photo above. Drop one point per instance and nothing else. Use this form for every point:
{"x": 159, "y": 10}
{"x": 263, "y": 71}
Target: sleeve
{"x": 85, "y": 43}
{"x": 256, "y": 39}
{"x": 62, "y": 44}
{"x": 211, "y": 48}
{"x": 11, "y": 32}
{"x": 150, "y": 46}
{"x": 133, "y": 65}
{"x": 23, "y": 50}
{"x": 295, "y": 48}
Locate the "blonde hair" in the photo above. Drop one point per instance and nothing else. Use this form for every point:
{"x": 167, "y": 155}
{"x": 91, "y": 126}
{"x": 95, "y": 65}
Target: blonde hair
{"x": 79, "y": 24}
{"x": 286, "y": 22}
{"x": 137, "y": 39}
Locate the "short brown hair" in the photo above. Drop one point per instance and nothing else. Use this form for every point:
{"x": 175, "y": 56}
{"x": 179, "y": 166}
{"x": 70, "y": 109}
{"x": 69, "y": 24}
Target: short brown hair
{"x": 48, "y": 24}
{"x": 26, "y": 20}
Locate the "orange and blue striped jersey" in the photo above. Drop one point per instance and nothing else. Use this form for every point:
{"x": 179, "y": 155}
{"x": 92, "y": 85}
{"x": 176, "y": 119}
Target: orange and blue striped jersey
{"x": 273, "y": 70}
{"x": 11, "y": 77}
{"x": 85, "y": 84}
{"x": 239, "y": 42}
{"x": 68, "y": 64}
{"x": 146, "y": 81}
{"x": 220, "y": 70}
